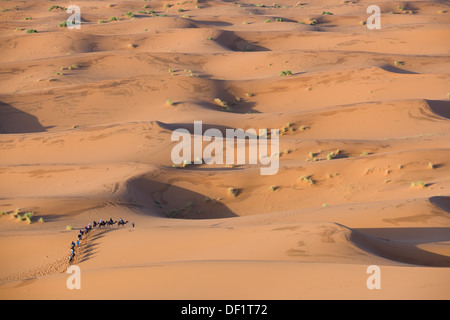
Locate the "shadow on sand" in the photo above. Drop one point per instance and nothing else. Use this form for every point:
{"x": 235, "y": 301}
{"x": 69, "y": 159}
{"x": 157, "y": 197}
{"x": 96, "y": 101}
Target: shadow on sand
{"x": 13, "y": 120}
{"x": 172, "y": 201}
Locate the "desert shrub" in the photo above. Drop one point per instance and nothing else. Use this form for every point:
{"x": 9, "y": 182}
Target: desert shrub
{"x": 232, "y": 192}
{"x": 174, "y": 213}
{"x": 418, "y": 184}
{"x": 286, "y": 73}
{"x": 59, "y": 8}
{"x": 222, "y": 103}
{"x": 307, "y": 179}
{"x": 189, "y": 205}
{"x": 210, "y": 200}
{"x": 333, "y": 155}
{"x": 28, "y": 216}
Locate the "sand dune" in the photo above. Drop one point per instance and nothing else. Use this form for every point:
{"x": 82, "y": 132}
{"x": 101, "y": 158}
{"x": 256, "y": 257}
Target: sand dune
{"x": 86, "y": 119}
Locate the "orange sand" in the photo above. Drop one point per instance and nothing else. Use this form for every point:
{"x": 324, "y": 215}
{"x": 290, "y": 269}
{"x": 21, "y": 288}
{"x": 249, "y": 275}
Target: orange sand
{"x": 94, "y": 142}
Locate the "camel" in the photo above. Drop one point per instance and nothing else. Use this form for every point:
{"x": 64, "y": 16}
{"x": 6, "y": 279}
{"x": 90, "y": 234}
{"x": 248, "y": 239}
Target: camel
{"x": 100, "y": 224}
{"x": 110, "y": 223}
{"x": 123, "y": 223}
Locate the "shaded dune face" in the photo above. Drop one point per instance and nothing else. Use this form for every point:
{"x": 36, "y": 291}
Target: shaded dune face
{"x": 441, "y": 202}
{"x": 87, "y": 117}
{"x": 400, "y": 251}
{"x": 441, "y": 108}
{"x": 170, "y": 200}
{"x": 13, "y": 120}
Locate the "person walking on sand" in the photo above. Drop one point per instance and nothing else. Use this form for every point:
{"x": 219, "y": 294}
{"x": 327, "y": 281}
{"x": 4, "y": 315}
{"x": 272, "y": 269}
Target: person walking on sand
{"x": 132, "y": 224}
{"x": 72, "y": 254}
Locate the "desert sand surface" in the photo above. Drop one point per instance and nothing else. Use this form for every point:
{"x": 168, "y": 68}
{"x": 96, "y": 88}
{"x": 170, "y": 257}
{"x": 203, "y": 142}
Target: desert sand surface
{"x": 87, "y": 115}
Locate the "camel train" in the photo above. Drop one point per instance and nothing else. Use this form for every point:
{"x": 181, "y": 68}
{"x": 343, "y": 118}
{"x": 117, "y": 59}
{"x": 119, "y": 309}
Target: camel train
{"x": 109, "y": 223}
{"x": 88, "y": 228}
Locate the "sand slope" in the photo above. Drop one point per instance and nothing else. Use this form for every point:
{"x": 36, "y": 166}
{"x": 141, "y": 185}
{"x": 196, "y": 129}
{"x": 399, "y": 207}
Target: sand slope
{"x": 86, "y": 118}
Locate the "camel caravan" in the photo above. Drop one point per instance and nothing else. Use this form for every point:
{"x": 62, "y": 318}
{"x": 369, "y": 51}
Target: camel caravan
{"x": 109, "y": 223}
{"x": 89, "y": 227}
